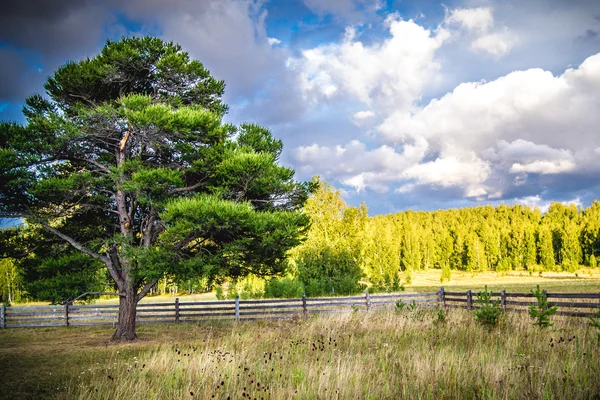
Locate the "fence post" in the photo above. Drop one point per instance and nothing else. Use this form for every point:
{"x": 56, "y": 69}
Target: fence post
{"x": 304, "y": 307}
{"x": 3, "y": 316}
{"x": 503, "y": 299}
{"x": 177, "y": 310}
{"x": 469, "y": 299}
{"x": 441, "y": 297}
{"x": 237, "y": 308}
{"x": 67, "y": 313}
{"x": 368, "y": 299}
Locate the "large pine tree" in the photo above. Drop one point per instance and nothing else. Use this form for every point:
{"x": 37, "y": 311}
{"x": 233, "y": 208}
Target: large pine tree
{"x": 128, "y": 161}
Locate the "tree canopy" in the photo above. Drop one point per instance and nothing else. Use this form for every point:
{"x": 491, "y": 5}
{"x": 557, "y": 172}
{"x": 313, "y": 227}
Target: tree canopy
{"x": 128, "y": 161}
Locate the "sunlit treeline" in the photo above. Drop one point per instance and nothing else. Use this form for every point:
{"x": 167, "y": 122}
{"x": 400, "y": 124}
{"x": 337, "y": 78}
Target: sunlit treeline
{"x": 389, "y": 249}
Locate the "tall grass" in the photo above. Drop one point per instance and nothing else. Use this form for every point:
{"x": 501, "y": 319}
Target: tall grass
{"x": 383, "y": 355}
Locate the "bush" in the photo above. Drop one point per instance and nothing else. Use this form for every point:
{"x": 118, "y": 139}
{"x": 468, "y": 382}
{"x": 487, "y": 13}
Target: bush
{"x": 283, "y": 288}
{"x": 329, "y": 271}
{"x": 446, "y": 274}
{"x": 490, "y": 311}
{"x": 541, "y": 312}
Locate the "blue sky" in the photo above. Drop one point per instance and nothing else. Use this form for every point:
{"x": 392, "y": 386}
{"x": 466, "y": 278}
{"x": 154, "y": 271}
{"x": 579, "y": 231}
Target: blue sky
{"x": 400, "y": 104}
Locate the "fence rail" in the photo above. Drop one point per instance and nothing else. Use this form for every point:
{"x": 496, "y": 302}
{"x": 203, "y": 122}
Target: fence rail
{"x": 585, "y": 305}
{"x": 570, "y": 304}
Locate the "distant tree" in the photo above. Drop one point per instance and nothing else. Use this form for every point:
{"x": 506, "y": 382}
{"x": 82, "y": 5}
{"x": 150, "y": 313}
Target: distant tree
{"x": 329, "y": 260}
{"x": 545, "y": 247}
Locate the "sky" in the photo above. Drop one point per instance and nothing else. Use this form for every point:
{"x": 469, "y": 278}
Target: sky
{"x": 401, "y": 104}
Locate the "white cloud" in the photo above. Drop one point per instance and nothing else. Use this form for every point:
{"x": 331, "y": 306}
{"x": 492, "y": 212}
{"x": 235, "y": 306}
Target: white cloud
{"x": 356, "y": 166}
{"x": 392, "y": 73}
{"x": 473, "y": 19}
{"x": 478, "y": 24}
{"x": 544, "y": 205}
{"x": 497, "y": 44}
{"x": 479, "y": 136}
{"x": 525, "y": 122}
{"x": 274, "y": 41}
{"x": 361, "y": 117}
{"x": 543, "y": 167}
{"x": 451, "y": 171}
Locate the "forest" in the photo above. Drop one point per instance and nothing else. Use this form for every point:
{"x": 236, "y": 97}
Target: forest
{"x": 345, "y": 251}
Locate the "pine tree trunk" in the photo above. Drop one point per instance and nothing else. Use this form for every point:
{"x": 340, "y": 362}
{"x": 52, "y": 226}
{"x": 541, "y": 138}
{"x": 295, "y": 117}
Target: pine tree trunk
{"x": 127, "y": 312}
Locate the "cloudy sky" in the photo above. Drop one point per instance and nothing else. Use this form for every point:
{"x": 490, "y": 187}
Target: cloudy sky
{"x": 401, "y": 104}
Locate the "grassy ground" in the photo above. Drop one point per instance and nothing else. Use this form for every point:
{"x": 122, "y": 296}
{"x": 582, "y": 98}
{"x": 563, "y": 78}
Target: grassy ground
{"x": 375, "y": 355}
{"x": 583, "y": 281}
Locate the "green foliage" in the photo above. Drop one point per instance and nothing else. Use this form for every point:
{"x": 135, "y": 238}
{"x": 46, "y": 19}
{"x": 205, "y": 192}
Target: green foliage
{"x": 412, "y": 306}
{"x": 592, "y": 261}
{"x": 541, "y": 312}
{"x": 441, "y": 315}
{"x": 489, "y": 312}
{"x": 329, "y": 261}
{"x": 399, "y": 305}
{"x": 10, "y": 281}
{"x": 128, "y": 161}
{"x": 446, "y": 274}
{"x": 283, "y": 288}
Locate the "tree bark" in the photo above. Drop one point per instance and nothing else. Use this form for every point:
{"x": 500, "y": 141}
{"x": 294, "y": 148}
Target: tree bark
{"x": 127, "y": 313}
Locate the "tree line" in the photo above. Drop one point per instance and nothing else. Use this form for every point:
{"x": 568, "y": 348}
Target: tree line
{"x": 346, "y": 250}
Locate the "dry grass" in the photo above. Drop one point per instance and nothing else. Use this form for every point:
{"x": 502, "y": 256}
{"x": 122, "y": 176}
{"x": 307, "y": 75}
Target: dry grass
{"x": 375, "y": 355}
{"x": 585, "y": 280}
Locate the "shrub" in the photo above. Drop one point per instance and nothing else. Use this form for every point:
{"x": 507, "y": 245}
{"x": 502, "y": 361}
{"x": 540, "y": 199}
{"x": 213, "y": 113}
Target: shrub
{"x": 446, "y": 274}
{"x": 399, "y": 306}
{"x": 541, "y": 312}
{"x": 284, "y": 288}
{"x": 441, "y": 315}
{"x": 490, "y": 311}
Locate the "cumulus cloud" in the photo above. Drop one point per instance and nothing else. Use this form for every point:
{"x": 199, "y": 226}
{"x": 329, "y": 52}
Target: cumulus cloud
{"x": 480, "y": 135}
{"x": 391, "y": 73}
{"x": 497, "y": 44}
{"x": 478, "y": 19}
{"x": 544, "y": 167}
{"x": 544, "y": 205}
{"x": 450, "y": 171}
{"x": 357, "y": 166}
{"x": 361, "y": 117}
{"x": 478, "y": 23}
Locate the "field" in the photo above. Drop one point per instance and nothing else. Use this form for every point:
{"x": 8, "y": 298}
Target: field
{"x": 362, "y": 355}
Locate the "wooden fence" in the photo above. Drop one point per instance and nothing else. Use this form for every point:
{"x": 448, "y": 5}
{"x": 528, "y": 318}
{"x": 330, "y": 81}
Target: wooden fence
{"x": 569, "y": 304}
{"x": 179, "y": 312}
{"x": 576, "y": 304}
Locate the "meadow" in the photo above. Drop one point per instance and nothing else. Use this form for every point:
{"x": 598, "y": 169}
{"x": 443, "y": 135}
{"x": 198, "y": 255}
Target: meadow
{"x": 376, "y": 355}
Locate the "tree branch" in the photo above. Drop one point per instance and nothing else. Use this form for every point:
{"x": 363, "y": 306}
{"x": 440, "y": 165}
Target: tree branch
{"x": 145, "y": 290}
{"x": 187, "y": 188}
{"x": 94, "y": 163}
{"x": 75, "y": 243}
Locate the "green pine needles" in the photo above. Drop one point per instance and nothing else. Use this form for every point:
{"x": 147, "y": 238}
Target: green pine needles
{"x": 489, "y": 311}
{"x": 541, "y": 312}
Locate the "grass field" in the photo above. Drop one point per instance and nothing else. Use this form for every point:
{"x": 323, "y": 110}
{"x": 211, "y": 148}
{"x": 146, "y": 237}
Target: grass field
{"x": 373, "y": 355}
